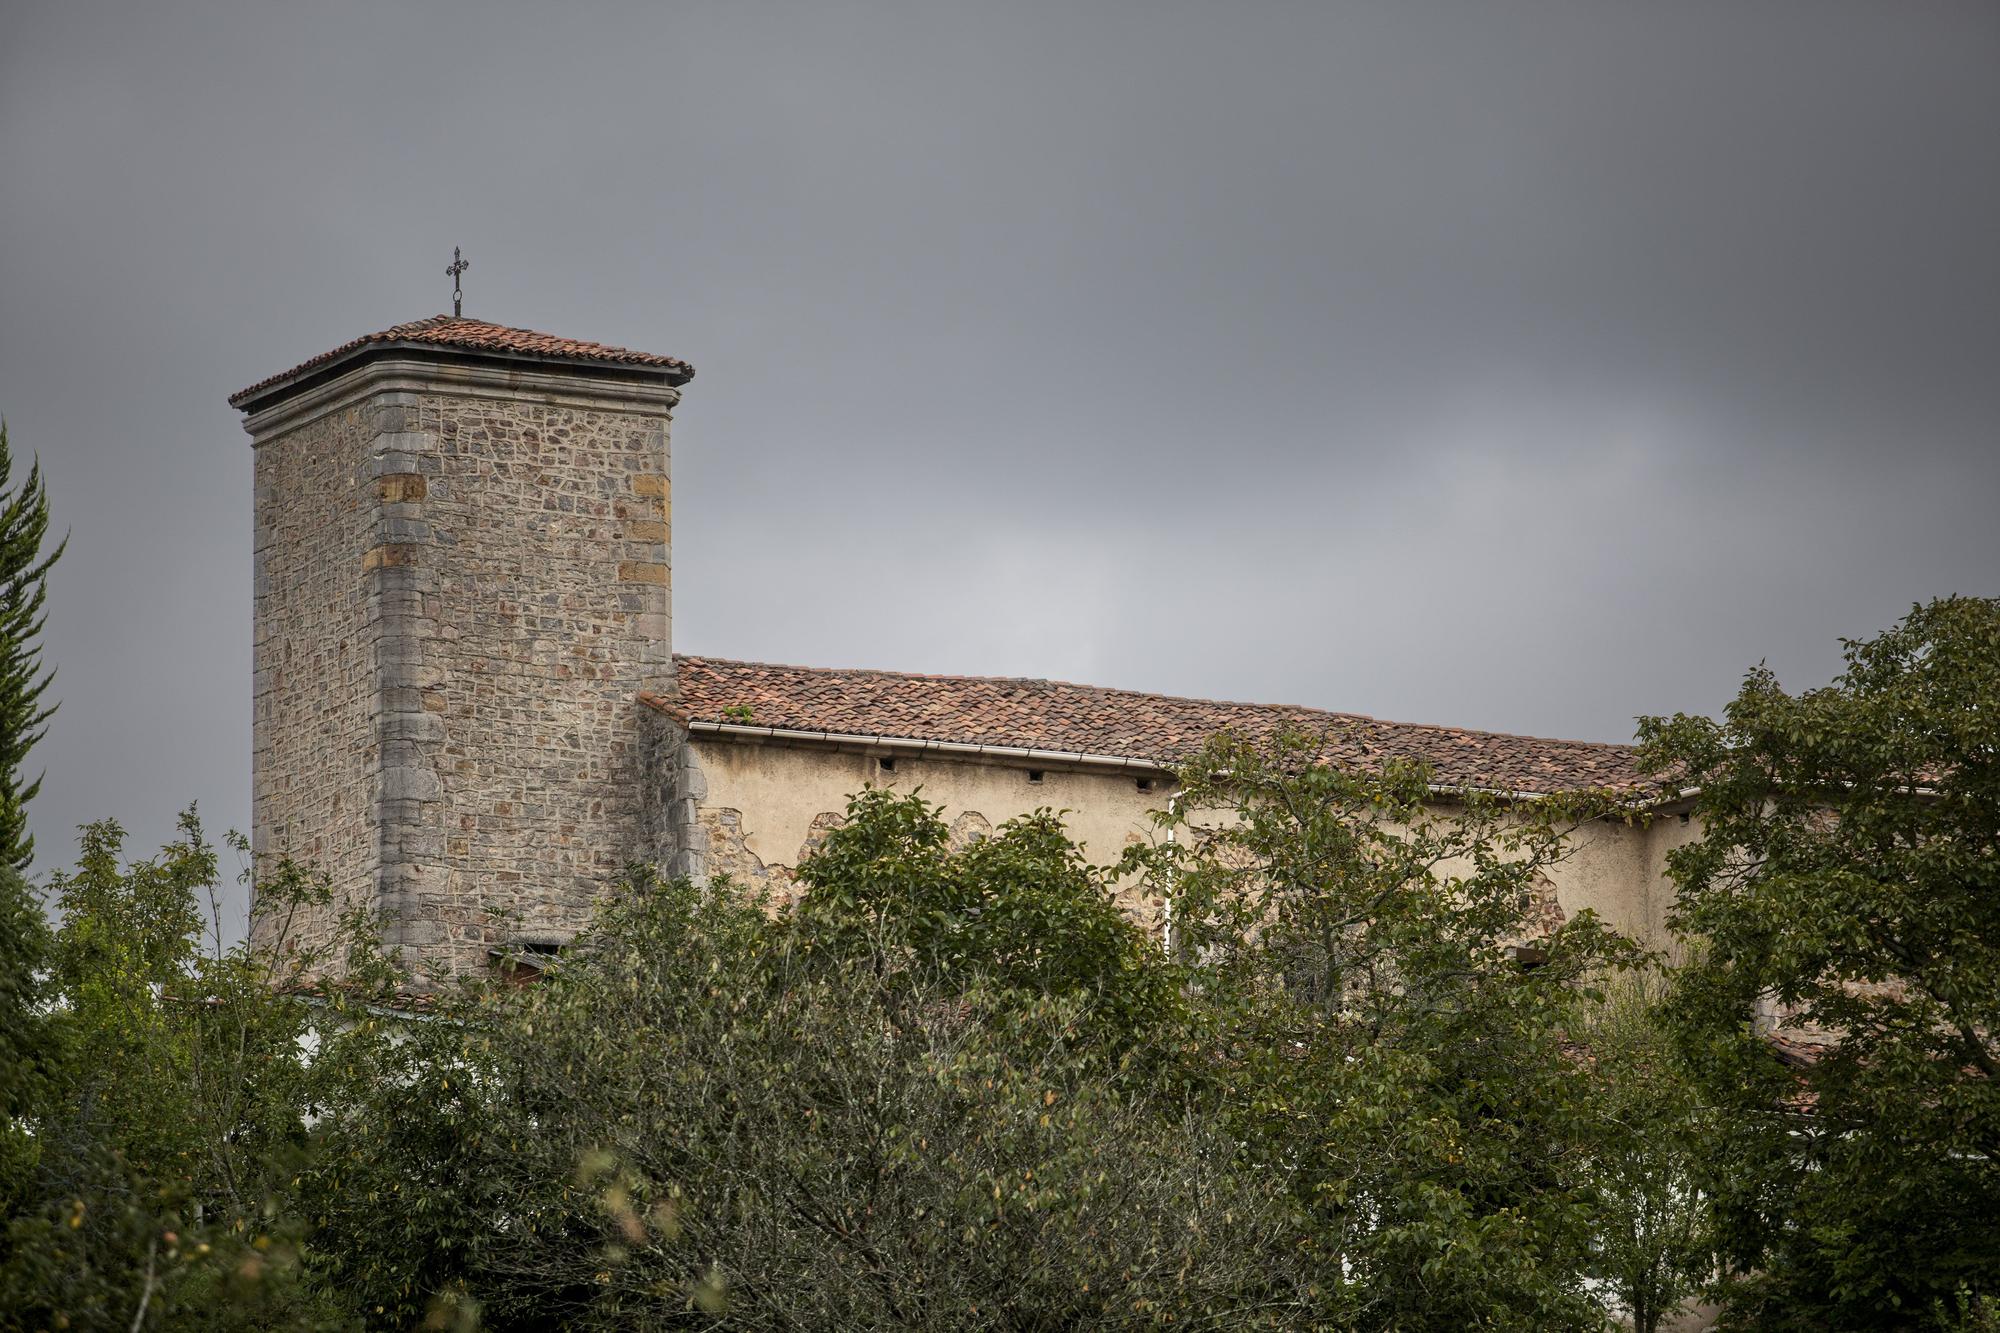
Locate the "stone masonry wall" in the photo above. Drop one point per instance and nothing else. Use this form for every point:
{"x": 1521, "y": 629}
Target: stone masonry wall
{"x": 460, "y": 595}
{"x": 314, "y": 742}
{"x": 518, "y": 760}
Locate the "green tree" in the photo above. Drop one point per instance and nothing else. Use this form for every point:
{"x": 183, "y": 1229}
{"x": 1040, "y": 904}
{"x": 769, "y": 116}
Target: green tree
{"x": 1848, "y": 889}
{"x": 170, "y": 1111}
{"x": 25, "y": 1039}
{"x": 1393, "y": 1044}
{"x": 910, "y": 1103}
{"x": 1022, "y": 910}
{"x": 24, "y": 571}
{"x": 1650, "y": 1131}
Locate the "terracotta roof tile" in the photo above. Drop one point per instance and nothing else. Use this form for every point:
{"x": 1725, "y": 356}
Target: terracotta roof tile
{"x": 476, "y": 335}
{"x": 1084, "y": 719}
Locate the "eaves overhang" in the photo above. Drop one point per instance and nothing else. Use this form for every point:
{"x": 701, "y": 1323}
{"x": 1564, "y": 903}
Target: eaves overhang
{"x": 744, "y": 733}
{"x": 272, "y": 393}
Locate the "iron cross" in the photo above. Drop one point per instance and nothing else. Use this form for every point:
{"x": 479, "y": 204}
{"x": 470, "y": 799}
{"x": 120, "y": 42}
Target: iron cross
{"x": 457, "y": 266}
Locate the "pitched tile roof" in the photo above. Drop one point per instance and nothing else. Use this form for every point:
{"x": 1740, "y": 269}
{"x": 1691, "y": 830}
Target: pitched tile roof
{"x": 476, "y": 335}
{"x": 1088, "y": 720}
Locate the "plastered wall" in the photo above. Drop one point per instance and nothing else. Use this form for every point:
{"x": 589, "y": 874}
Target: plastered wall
{"x": 762, "y": 808}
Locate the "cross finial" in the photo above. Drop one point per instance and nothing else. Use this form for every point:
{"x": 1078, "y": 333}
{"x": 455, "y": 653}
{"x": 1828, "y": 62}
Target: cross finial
{"x": 457, "y": 266}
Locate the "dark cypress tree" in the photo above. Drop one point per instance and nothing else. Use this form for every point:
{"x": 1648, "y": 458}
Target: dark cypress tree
{"x": 24, "y": 588}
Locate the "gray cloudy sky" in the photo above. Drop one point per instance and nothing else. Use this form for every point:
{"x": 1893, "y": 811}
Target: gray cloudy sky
{"x": 1511, "y": 364}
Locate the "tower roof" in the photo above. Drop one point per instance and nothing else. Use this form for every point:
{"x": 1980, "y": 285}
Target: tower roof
{"x": 474, "y": 337}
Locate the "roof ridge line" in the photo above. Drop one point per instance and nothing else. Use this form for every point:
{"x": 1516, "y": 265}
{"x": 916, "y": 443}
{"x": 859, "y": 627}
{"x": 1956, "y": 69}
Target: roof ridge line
{"x": 1031, "y": 680}
{"x": 1150, "y": 694}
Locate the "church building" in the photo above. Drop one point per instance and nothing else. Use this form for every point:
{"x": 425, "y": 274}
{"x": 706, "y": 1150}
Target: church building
{"x": 468, "y": 711}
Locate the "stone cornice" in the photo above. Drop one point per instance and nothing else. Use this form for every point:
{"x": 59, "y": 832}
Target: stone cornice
{"x": 420, "y": 371}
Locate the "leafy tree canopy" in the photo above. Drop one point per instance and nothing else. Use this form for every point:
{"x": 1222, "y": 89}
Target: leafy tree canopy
{"x": 904, "y": 1105}
{"x": 1847, "y": 891}
{"x": 168, "y": 1105}
{"x": 1395, "y": 1031}
{"x": 948, "y": 1088}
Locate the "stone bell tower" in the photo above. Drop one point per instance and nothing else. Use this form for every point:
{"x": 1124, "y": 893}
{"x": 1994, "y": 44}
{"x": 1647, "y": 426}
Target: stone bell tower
{"x": 462, "y": 587}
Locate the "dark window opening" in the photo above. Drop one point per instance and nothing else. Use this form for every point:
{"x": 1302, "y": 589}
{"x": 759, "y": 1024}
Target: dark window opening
{"x": 1145, "y": 784}
{"x": 888, "y": 765}
{"x": 1034, "y": 775}
{"x": 524, "y": 961}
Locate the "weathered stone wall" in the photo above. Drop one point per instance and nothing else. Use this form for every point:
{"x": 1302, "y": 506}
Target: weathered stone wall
{"x": 549, "y": 525}
{"x": 314, "y": 744}
{"x": 468, "y": 582}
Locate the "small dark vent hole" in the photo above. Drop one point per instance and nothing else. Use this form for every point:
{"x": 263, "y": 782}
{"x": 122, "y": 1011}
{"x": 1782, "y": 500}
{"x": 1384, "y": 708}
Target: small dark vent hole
{"x": 888, "y": 765}
{"x": 1145, "y": 784}
{"x": 1034, "y": 775}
